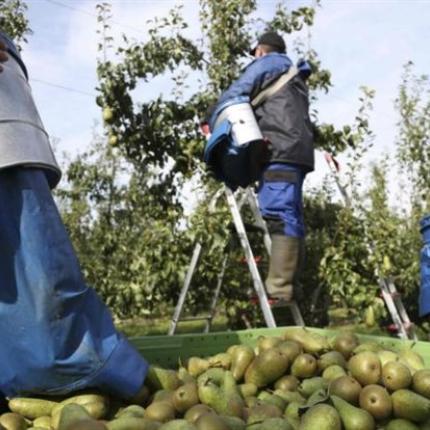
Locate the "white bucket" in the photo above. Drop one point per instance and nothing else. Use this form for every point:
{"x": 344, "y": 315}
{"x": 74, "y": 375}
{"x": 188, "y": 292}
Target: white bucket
{"x": 244, "y": 127}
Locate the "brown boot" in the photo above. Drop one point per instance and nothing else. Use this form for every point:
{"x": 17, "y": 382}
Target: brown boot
{"x": 283, "y": 268}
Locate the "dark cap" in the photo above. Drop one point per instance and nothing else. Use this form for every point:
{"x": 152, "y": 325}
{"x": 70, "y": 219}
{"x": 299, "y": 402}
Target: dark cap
{"x": 273, "y": 39}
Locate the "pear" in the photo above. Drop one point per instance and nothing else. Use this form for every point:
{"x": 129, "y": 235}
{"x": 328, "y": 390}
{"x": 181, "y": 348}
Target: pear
{"x": 262, "y": 411}
{"x": 353, "y": 418}
{"x": 396, "y": 375}
{"x": 163, "y": 396}
{"x": 267, "y": 342}
{"x": 193, "y": 414}
{"x": 178, "y": 424}
{"x": 12, "y": 420}
{"x": 185, "y": 397}
{"x": 241, "y": 359}
{"x": 196, "y": 366}
{"x": 311, "y": 342}
{"x": 333, "y": 372}
{"x": 421, "y": 382}
{"x": 412, "y": 359}
{"x": 287, "y": 383}
{"x": 376, "y": 400}
{"x": 275, "y": 424}
{"x": 220, "y": 360}
{"x": 309, "y": 386}
{"x": 222, "y": 395}
{"x": 291, "y": 349}
{"x": 304, "y": 366}
{"x": 70, "y": 414}
{"x": 234, "y": 423}
{"x": 386, "y": 356}
{"x": 87, "y": 424}
{"x": 292, "y": 410}
{"x": 365, "y": 367}
{"x": 321, "y": 417}
{"x": 272, "y": 399}
{"x": 368, "y": 346}
{"x": 247, "y": 390}
{"x": 347, "y": 388}
{"x": 345, "y": 343}
{"x": 400, "y": 424}
{"x": 159, "y": 378}
{"x": 160, "y": 411}
{"x": 130, "y": 422}
{"x": 184, "y": 375}
{"x": 266, "y": 368}
{"x": 290, "y": 396}
{"x": 410, "y": 406}
{"x": 211, "y": 422}
{"x": 330, "y": 358}
{"x": 132, "y": 410}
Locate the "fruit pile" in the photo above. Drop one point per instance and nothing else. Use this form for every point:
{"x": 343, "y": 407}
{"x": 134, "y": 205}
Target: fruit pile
{"x": 302, "y": 380}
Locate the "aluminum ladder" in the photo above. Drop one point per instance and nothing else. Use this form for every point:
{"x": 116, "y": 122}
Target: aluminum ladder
{"x": 389, "y": 293}
{"x": 235, "y": 202}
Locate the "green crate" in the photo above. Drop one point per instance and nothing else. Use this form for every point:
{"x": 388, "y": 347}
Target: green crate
{"x": 167, "y": 351}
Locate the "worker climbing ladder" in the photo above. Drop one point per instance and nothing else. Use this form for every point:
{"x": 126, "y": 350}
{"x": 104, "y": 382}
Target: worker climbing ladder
{"x": 390, "y": 295}
{"x": 235, "y": 202}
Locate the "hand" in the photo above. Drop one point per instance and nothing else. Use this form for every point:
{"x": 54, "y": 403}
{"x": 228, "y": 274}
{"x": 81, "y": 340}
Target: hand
{"x": 3, "y": 55}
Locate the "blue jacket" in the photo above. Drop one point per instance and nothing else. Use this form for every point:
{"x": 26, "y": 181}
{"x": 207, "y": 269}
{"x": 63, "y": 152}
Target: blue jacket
{"x": 284, "y": 117}
{"x": 11, "y": 49}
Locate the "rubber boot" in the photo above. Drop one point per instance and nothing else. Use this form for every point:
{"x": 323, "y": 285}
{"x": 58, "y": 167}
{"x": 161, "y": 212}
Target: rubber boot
{"x": 284, "y": 265}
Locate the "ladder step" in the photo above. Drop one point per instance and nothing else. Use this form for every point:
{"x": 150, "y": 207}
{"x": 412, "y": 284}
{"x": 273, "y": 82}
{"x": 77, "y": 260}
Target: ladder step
{"x": 198, "y": 318}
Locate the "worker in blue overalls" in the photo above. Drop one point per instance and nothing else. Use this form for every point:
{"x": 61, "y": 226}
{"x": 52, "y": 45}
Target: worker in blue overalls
{"x": 284, "y": 122}
{"x": 56, "y": 334}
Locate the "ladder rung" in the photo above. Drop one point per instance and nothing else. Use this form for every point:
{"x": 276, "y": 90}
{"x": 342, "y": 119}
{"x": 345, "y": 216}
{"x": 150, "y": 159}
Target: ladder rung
{"x": 201, "y": 318}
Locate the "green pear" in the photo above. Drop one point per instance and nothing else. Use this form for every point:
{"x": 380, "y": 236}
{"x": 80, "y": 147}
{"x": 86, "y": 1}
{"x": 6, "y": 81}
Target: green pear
{"x": 178, "y": 424}
{"x": 311, "y": 342}
{"x": 160, "y": 411}
{"x": 330, "y": 358}
{"x": 400, "y": 424}
{"x": 385, "y": 356}
{"x": 266, "y": 368}
{"x": 365, "y": 367}
{"x": 222, "y": 395}
{"x": 287, "y": 383}
{"x": 234, "y": 423}
{"x": 247, "y": 390}
{"x": 241, "y": 359}
{"x": 291, "y": 349}
{"x": 347, "y": 388}
{"x": 369, "y": 347}
{"x": 304, "y": 366}
{"x": 267, "y": 342}
{"x": 130, "y": 422}
{"x": 220, "y": 360}
{"x": 376, "y": 400}
{"x": 345, "y": 343}
{"x": 292, "y": 410}
{"x": 185, "y": 397}
{"x": 290, "y": 396}
{"x": 396, "y": 375}
{"x": 196, "y": 366}
{"x": 132, "y": 410}
{"x": 421, "y": 382}
{"x": 275, "y": 424}
{"x": 410, "y": 406}
{"x": 353, "y": 418}
{"x": 309, "y": 386}
{"x": 272, "y": 399}
{"x": 333, "y": 372}
{"x": 412, "y": 359}
{"x": 193, "y": 414}
{"x": 211, "y": 422}
{"x": 262, "y": 411}
{"x": 69, "y": 415}
{"x": 321, "y": 417}
{"x": 159, "y": 378}
{"x": 13, "y": 421}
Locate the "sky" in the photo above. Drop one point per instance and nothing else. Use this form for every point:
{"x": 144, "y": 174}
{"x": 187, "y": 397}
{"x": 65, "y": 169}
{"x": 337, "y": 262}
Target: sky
{"x": 362, "y": 42}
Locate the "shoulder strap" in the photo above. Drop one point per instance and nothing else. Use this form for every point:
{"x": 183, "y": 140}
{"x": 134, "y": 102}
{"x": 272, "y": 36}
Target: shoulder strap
{"x": 273, "y": 88}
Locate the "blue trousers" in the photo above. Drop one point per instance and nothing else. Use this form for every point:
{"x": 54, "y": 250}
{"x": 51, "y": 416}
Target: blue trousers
{"x": 281, "y": 200}
{"x": 56, "y": 335}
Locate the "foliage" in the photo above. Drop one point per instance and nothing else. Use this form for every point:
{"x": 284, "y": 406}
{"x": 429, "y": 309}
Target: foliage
{"x": 13, "y": 20}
